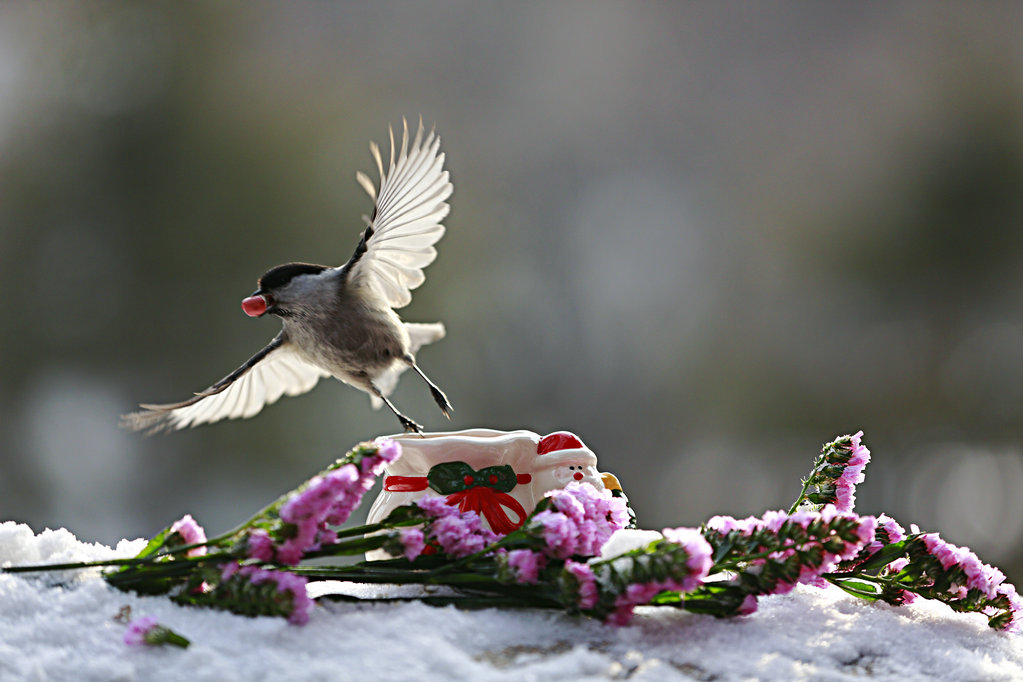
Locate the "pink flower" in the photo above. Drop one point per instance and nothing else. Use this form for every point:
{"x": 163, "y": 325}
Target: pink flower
{"x": 773, "y": 520}
{"x": 887, "y": 532}
{"x": 436, "y": 506}
{"x": 558, "y": 533}
{"x": 946, "y": 553}
{"x": 699, "y": 551}
{"x": 1015, "y": 624}
{"x": 301, "y": 604}
{"x": 587, "y": 583}
{"x": 388, "y": 450}
{"x": 635, "y": 595}
{"x": 139, "y": 629}
{"x": 979, "y": 576}
{"x": 567, "y": 502}
{"x": 860, "y": 454}
{"x": 191, "y": 533}
{"x": 867, "y": 529}
{"x": 325, "y": 500}
{"x": 413, "y": 542}
{"x": 581, "y": 519}
{"x": 748, "y": 606}
{"x": 852, "y": 474}
{"x": 296, "y": 602}
{"x": 260, "y": 546}
{"x": 610, "y": 513}
{"x": 461, "y": 534}
{"x": 146, "y": 631}
{"x": 845, "y": 495}
{"x": 891, "y": 528}
{"x": 722, "y": 524}
{"x": 699, "y": 559}
{"x": 526, "y": 565}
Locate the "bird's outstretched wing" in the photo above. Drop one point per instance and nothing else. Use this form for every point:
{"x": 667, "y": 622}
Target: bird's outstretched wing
{"x": 274, "y": 371}
{"x": 408, "y": 210}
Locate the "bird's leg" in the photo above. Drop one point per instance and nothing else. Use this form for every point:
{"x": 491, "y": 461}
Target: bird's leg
{"x": 438, "y": 395}
{"x": 407, "y": 424}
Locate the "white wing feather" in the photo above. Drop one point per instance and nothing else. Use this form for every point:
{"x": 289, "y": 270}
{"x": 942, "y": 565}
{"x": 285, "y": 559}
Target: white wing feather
{"x": 281, "y": 372}
{"x": 409, "y": 207}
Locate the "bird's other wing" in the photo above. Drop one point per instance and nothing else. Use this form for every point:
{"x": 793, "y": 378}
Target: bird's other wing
{"x": 274, "y": 371}
{"x": 408, "y": 209}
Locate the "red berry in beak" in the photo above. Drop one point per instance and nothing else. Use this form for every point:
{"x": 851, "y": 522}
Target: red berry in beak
{"x": 254, "y": 306}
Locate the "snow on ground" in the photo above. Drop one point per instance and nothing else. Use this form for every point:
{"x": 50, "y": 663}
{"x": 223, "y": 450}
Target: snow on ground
{"x": 62, "y": 627}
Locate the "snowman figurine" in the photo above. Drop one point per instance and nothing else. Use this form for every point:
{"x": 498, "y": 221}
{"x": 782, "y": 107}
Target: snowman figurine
{"x": 499, "y": 474}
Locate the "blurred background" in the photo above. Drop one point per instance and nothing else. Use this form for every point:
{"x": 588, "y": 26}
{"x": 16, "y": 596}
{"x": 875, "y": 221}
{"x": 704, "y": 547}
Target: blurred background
{"x": 705, "y": 237}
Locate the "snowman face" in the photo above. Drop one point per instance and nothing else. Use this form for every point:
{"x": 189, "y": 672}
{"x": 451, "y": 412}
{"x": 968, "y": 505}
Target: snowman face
{"x": 581, "y": 473}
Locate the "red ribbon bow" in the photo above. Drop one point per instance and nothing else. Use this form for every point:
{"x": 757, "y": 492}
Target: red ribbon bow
{"x": 490, "y": 503}
{"x": 486, "y": 501}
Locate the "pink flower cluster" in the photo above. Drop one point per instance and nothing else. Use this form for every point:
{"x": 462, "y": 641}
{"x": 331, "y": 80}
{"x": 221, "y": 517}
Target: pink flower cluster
{"x": 969, "y": 573}
{"x": 413, "y": 542}
{"x": 290, "y": 587}
{"x": 852, "y": 474}
{"x": 791, "y": 532}
{"x": 146, "y": 631}
{"x": 325, "y": 500}
{"x": 776, "y": 521}
{"x": 191, "y": 533}
{"x": 526, "y": 565}
{"x": 699, "y": 551}
{"x": 139, "y": 631}
{"x": 586, "y": 583}
{"x": 456, "y": 534}
{"x": 580, "y": 520}
{"x": 699, "y": 560}
{"x": 979, "y": 576}
{"x": 888, "y": 532}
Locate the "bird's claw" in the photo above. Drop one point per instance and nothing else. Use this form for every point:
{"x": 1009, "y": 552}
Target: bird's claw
{"x": 410, "y": 426}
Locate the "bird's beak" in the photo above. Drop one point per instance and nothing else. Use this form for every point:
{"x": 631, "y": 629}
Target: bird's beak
{"x": 255, "y": 305}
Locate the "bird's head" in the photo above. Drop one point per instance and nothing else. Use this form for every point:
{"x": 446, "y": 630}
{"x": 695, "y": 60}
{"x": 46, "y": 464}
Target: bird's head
{"x": 282, "y": 289}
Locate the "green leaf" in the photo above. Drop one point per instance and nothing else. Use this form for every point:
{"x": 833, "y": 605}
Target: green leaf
{"x": 449, "y": 477}
{"x": 858, "y": 588}
{"x": 405, "y": 515}
{"x": 452, "y": 477}
{"x": 155, "y": 544}
{"x": 883, "y": 556}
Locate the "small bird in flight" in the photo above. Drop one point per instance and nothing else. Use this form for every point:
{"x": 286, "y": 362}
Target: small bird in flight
{"x": 339, "y": 321}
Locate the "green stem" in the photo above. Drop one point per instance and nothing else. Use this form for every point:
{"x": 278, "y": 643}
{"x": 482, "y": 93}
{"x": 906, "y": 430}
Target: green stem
{"x": 175, "y": 639}
{"x": 473, "y": 602}
{"x": 802, "y": 493}
{"x": 38, "y": 568}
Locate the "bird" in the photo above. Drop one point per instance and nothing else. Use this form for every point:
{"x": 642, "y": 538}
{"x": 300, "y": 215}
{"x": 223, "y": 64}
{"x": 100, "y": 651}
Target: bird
{"x": 340, "y": 321}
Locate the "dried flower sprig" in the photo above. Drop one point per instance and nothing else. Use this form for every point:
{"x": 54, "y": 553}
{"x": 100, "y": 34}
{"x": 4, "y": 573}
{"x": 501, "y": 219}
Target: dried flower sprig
{"x": 574, "y": 552}
{"x": 835, "y": 474}
{"x": 146, "y": 631}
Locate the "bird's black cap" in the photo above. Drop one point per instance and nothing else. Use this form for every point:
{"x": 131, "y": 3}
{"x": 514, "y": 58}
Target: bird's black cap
{"x": 282, "y": 274}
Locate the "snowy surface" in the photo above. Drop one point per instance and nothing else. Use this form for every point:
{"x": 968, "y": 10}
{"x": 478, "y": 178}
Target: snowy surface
{"x": 62, "y": 627}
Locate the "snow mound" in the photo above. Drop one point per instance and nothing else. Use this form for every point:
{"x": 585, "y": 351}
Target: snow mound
{"x": 62, "y": 627}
